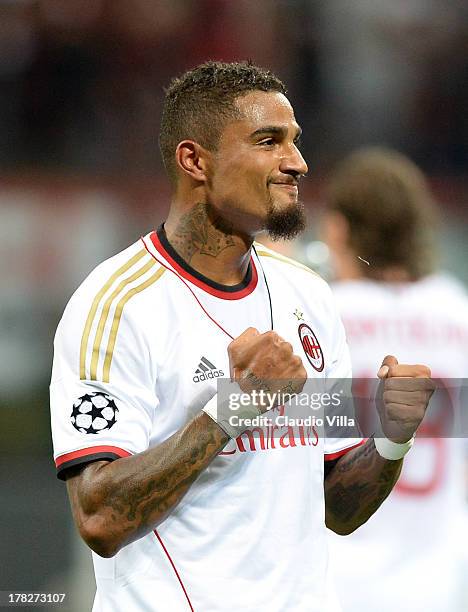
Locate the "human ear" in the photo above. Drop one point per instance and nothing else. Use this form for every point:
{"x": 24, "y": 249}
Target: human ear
{"x": 192, "y": 159}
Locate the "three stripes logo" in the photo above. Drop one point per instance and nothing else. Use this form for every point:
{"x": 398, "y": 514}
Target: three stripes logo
{"x": 311, "y": 347}
{"x": 206, "y": 370}
{"x": 102, "y": 324}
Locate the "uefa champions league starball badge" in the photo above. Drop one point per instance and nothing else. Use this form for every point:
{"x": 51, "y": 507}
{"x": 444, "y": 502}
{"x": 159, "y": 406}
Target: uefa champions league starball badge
{"x": 93, "y": 413}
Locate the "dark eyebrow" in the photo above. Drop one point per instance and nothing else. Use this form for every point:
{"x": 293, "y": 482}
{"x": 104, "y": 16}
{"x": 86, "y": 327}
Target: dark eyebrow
{"x": 273, "y": 129}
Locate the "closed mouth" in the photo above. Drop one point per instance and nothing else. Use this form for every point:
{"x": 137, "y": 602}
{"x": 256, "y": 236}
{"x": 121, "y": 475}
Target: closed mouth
{"x": 289, "y": 185}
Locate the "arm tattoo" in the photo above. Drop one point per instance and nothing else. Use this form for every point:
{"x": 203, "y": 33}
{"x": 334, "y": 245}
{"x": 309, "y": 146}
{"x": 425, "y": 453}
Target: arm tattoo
{"x": 134, "y": 494}
{"x": 255, "y": 382}
{"x": 197, "y": 232}
{"x": 357, "y": 486}
{"x": 147, "y": 497}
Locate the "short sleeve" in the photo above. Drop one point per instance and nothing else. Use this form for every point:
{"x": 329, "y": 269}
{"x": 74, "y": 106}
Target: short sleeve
{"x": 103, "y": 390}
{"x": 342, "y": 430}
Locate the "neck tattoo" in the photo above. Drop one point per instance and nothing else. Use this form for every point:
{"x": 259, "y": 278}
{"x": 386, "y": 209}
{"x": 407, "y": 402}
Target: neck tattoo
{"x": 200, "y": 232}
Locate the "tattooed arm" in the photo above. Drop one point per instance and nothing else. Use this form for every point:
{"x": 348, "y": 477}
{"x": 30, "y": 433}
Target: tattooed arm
{"x": 356, "y": 486}
{"x": 361, "y": 480}
{"x": 115, "y": 503}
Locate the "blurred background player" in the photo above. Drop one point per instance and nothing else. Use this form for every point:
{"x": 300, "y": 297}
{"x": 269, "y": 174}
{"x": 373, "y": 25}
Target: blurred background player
{"x": 380, "y": 211}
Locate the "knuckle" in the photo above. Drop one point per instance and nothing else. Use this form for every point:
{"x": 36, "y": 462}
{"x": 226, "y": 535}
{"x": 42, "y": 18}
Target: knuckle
{"x": 248, "y": 333}
{"x": 297, "y": 362}
{"x": 271, "y": 336}
{"x": 423, "y": 370}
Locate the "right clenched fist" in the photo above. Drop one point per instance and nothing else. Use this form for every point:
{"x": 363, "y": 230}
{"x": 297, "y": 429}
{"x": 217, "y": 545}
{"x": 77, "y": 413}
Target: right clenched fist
{"x": 265, "y": 362}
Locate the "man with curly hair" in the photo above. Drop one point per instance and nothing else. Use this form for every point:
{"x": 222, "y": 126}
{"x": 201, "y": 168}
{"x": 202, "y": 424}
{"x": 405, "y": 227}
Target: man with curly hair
{"x": 189, "y": 501}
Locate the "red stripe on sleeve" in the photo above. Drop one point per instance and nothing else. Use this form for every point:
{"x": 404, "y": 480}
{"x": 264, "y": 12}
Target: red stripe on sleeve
{"x": 92, "y": 450}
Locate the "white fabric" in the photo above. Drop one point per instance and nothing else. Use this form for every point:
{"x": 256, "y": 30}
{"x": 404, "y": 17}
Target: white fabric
{"x": 408, "y": 555}
{"x": 392, "y": 450}
{"x": 221, "y": 414}
{"x": 249, "y": 534}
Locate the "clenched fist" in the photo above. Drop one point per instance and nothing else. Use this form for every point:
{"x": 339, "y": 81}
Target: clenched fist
{"x": 405, "y": 391}
{"x": 265, "y": 362}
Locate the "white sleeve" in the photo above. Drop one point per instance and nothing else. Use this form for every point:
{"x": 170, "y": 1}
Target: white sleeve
{"x": 94, "y": 418}
{"x": 339, "y": 377}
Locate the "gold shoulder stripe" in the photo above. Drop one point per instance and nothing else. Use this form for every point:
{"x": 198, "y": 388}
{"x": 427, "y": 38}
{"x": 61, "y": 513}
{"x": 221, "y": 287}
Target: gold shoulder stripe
{"x": 118, "y": 315}
{"x": 105, "y": 313}
{"x": 92, "y": 312}
{"x": 284, "y": 259}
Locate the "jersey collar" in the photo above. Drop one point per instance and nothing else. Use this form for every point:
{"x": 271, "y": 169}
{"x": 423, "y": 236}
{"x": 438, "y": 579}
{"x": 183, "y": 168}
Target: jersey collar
{"x": 226, "y": 292}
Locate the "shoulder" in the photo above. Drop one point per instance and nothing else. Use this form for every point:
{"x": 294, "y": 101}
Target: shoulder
{"x": 121, "y": 276}
{"x": 439, "y": 294}
{"x": 360, "y": 291}
{"x": 285, "y": 264}
{"x": 445, "y": 296}
{"x": 101, "y": 315}
{"x": 108, "y": 289}
{"x": 444, "y": 285}
{"x": 298, "y": 280}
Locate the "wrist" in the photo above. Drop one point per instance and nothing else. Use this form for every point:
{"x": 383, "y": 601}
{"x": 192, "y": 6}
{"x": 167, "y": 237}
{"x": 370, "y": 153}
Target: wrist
{"x": 392, "y": 450}
{"x": 232, "y": 422}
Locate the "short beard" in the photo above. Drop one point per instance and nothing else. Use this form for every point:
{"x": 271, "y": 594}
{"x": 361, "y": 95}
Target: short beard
{"x": 286, "y": 224}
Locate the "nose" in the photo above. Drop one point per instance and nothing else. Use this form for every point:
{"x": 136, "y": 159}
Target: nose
{"x": 292, "y": 162}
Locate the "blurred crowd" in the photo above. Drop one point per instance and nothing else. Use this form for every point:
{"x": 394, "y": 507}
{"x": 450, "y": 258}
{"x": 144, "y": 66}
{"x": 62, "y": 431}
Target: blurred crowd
{"x": 81, "y": 82}
{"x": 81, "y": 87}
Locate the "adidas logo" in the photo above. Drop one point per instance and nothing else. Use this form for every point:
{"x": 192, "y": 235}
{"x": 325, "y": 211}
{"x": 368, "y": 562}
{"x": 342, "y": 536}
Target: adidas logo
{"x": 206, "y": 370}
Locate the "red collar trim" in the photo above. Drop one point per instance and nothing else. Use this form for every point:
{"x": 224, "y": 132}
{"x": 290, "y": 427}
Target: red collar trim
{"x": 189, "y": 274}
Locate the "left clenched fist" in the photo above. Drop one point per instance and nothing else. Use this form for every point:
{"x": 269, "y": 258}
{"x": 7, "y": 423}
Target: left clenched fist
{"x": 404, "y": 394}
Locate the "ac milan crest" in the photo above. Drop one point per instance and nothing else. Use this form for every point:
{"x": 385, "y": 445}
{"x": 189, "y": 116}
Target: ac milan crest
{"x": 311, "y": 347}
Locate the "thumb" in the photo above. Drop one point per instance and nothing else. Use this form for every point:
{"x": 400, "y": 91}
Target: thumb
{"x": 387, "y": 363}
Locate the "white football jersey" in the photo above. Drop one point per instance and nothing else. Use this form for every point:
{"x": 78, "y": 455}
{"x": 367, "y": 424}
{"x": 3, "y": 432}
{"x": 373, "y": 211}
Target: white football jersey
{"x": 407, "y": 556}
{"x": 137, "y": 354}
